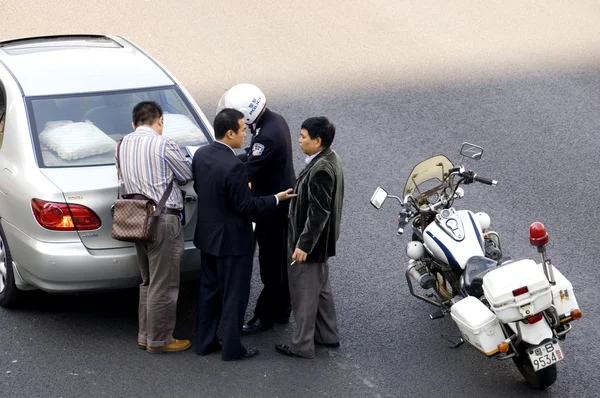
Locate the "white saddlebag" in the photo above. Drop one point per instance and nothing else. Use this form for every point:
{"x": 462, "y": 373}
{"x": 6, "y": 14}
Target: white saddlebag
{"x": 562, "y": 294}
{"x": 517, "y": 290}
{"x": 478, "y": 325}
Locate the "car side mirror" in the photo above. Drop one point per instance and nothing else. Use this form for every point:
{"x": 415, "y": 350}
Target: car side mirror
{"x": 379, "y": 197}
{"x": 471, "y": 151}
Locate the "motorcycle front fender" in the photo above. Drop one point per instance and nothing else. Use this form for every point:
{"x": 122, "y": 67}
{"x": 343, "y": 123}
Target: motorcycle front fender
{"x": 533, "y": 334}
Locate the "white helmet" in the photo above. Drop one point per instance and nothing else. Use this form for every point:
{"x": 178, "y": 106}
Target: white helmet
{"x": 246, "y": 98}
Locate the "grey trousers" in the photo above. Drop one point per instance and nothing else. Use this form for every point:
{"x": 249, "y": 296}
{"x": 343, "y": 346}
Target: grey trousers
{"x": 159, "y": 266}
{"x": 312, "y": 304}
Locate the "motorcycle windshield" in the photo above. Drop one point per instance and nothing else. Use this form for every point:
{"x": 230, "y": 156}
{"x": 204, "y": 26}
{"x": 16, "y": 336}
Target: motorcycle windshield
{"x": 434, "y": 168}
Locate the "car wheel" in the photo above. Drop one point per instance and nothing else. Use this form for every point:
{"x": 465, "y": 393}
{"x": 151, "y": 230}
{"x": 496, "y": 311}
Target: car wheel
{"x": 10, "y": 295}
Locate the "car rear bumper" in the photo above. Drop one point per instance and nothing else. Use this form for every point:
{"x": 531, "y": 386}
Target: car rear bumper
{"x": 71, "y": 267}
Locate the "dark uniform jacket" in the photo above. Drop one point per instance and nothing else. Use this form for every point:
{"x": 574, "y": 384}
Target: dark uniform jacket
{"x": 269, "y": 158}
{"x": 315, "y": 214}
{"x": 223, "y": 227}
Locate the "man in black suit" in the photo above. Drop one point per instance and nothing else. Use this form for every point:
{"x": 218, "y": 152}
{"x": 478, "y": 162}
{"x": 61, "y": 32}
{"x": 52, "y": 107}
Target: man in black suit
{"x": 224, "y": 235}
{"x": 270, "y": 167}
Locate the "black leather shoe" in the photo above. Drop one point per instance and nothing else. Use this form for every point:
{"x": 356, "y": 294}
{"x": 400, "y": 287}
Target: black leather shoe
{"x": 255, "y": 326}
{"x": 330, "y": 345}
{"x": 250, "y": 353}
{"x": 282, "y": 321}
{"x": 284, "y": 349}
{"x": 210, "y": 350}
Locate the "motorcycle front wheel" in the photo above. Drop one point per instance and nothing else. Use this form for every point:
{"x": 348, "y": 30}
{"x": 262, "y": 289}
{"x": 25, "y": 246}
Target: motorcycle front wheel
{"x": 541, "y": 379}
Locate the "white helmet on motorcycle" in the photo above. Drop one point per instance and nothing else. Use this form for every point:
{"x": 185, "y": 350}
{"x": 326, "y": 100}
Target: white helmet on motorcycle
{"x": 246, "y": 98}
{"x": 415, "y": 250}
{"x": 484, "y": 220}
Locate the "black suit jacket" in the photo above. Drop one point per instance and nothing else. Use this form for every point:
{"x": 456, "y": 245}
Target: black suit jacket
{"x": 225, "y": 204}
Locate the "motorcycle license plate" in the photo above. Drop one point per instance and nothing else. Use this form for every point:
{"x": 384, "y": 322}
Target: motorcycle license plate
{"x": 545, "y": 355}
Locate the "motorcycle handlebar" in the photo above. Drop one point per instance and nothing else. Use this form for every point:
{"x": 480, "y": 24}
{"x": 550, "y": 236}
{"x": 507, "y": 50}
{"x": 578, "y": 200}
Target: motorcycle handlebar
{"x": 402, "y": 221}
{"x": 469, "y": 177}
{"x": 484, "y": 180}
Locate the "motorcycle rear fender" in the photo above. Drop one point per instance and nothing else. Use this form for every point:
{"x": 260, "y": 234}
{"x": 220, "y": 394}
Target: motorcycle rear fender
{"x": 533, "y": 334}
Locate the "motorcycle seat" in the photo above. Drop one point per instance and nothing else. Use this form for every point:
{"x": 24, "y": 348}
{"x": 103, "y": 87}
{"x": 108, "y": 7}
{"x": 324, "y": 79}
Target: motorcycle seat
{"x": 475, "y": 270}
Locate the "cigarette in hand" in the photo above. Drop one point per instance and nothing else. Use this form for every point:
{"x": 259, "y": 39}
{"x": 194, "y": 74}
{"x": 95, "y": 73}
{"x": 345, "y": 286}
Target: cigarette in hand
{"x": 293, "y": 262}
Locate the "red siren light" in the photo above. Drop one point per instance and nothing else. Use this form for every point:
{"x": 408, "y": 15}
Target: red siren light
{"x": 538, "y": 235}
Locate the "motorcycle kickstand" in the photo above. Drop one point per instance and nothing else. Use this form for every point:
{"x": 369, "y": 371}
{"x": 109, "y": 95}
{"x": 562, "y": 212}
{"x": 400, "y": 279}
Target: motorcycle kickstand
{"x": 455, "y": 344}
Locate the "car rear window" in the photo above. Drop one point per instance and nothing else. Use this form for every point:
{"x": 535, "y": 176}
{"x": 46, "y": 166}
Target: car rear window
{"x": 83, "y": 129}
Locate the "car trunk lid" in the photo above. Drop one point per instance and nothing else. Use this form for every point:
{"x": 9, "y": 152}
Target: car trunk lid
{"x": 96, "y": 189}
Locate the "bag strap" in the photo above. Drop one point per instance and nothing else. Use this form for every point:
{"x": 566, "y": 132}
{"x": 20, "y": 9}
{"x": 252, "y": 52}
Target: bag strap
{"x": 118, "y": 168}
{"x": 163, "y": 200}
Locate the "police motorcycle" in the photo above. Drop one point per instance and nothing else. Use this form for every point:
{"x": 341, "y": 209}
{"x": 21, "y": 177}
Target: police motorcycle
{"x": 505, "y": 308}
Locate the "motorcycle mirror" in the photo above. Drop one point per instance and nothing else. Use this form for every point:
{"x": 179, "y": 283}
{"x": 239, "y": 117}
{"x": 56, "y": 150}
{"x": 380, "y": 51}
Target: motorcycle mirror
{"x": 471, "y": 151}
{"x": 379, "y": 197}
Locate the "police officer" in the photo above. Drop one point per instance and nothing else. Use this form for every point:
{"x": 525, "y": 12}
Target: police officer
{"x": 271, "y": 170}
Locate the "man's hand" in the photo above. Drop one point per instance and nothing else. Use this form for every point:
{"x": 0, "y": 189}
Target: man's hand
{"x": 285, "y": 195}
{"x": 299, "y": 255}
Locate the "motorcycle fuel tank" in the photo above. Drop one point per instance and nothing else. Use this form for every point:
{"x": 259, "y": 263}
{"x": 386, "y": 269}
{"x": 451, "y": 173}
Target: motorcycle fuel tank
{"x": 454, "y": 237}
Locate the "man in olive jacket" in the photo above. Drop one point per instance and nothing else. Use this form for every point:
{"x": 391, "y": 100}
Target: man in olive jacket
{"x": 314, "y": 227}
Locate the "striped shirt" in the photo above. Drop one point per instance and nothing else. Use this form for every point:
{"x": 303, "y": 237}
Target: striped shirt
{"x": 149, "y": 162}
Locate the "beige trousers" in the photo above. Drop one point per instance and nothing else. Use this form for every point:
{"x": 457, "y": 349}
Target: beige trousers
{"x": 159, "y": 266}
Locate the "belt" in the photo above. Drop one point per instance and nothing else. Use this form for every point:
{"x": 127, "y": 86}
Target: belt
{"x": 135, "y": 196}
{"x": 167, "y": 210}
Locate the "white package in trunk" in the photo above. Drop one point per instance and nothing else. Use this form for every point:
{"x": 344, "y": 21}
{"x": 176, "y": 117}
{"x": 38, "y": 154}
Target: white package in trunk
{"x": 478, "y": 325}
{"x": 517, "y": 290}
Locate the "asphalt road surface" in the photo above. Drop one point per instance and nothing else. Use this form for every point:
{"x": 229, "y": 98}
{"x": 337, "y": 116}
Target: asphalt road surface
{"x": 402, "y": 81}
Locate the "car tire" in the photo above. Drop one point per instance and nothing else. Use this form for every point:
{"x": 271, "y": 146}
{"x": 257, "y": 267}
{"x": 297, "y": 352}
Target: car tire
{"x": 10, "y": 295}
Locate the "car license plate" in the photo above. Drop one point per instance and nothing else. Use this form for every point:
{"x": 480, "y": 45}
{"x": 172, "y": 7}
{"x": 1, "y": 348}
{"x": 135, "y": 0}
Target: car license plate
{"x": 545, "y": 355}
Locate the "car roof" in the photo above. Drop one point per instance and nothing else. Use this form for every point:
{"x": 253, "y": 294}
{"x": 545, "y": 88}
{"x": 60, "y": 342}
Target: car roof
{"x": 50, "y": 65}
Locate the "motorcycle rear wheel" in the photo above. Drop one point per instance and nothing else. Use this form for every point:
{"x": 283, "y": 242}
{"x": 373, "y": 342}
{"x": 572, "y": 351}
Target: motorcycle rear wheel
{"x": 541, "y": 379}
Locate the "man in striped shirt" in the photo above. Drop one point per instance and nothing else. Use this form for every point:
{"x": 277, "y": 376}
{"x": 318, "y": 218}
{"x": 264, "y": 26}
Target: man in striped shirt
{"x": 148, "y": 163}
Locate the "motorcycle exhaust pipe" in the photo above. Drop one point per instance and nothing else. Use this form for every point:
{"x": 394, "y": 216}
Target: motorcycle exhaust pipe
{"x": 419, "y": 273}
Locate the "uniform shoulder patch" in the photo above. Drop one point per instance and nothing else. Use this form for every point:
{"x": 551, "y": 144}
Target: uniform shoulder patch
{"x": 257, "y": 149}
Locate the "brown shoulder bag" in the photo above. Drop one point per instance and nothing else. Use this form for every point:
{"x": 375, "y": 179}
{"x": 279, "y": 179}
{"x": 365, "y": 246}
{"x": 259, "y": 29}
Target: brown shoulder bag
{"x": 135, "y": 215}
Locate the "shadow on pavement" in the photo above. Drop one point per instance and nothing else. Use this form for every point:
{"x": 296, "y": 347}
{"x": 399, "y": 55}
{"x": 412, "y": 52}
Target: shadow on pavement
{"x": 120, "y": 304}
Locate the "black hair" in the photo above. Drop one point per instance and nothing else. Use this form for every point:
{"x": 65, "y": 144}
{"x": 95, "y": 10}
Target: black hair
{"x": 320, "y": 127}
{"x": 146, "y": 113}
{"x": 227, "y": 119}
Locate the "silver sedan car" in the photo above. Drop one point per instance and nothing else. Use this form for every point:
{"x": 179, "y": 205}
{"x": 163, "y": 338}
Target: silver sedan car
{"x": 65, "y": 101}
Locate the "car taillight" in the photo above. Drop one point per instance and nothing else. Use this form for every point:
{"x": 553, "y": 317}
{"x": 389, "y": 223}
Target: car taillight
{"x": 520, "y": 291}
{"x": 534, "y": 318}
{"x": 64, "y": 217}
